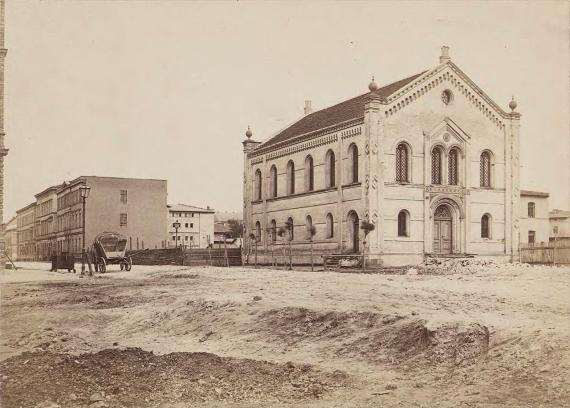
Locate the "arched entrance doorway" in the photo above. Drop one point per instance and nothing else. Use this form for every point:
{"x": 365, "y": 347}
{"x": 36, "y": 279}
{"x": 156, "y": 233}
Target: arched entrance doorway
{"x": 442, "y": 230}
{"x": 353, "y": 233}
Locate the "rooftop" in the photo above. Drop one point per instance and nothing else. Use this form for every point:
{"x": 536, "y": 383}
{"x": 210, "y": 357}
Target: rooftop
{"x": 533, "y": 193}
{"x": 189, "y": 208}
{"x": 559, "y": 214}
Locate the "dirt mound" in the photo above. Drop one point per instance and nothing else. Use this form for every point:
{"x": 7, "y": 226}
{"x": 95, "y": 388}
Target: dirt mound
{"x": 451, "y": 266}
{"x": 379, "y": 338}
{"x": 134, "y": 378}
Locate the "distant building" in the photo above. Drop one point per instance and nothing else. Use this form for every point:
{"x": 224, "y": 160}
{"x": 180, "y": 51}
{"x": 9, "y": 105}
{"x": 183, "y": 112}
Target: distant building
{"x": 45, "y": 222}
{"x": 196, "y": 226}
{"x": 559, "y": 224}
{"x": 534, "y": 221}
{"x": 11, "y": 238}
{"x": 25, "y": 219}
{"x": 224, "y": 235}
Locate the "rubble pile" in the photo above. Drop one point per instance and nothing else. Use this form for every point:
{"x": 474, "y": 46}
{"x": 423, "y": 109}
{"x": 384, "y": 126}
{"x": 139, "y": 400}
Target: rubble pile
{"x": 450, "y": 266}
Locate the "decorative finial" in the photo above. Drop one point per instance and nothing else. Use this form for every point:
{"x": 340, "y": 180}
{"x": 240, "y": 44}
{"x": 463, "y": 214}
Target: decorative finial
{"x": 373, "y": 86}
{"x": 249, "y": 133}
{"x": 513, "y": 104}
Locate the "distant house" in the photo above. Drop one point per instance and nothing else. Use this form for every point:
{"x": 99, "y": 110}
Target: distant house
{"x": 534, "y": 221}
{"x": 223, "y": 233}
{"x": 559, "y": 224}
{"x": 196, "y": 226}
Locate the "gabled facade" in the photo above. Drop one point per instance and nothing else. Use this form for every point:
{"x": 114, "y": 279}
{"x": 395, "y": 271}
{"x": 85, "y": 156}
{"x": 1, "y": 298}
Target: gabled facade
{"x": 196, "y": 226}
{"x": 430, "y": 160}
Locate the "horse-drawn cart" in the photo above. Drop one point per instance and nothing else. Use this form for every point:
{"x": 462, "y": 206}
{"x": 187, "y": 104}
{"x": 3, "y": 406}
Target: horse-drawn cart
{"x": 109, "y": 248}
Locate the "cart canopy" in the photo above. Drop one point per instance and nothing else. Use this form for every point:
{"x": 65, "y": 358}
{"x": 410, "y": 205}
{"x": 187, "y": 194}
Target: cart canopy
{"x": 110, "y": 245}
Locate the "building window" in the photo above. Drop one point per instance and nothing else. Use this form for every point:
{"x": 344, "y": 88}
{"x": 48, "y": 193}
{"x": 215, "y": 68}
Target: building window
{"x": 186, "y": 237}
{"x": 436, "y": 155}
{"x": 452, "y": 171}
{"x": 124, "y": 196}
{"x": 531, "y": 236}
{"x": 402, "y": 163}
{"x": 123, "y": 221}
{"x": 353, "y": 163}
{"x": 330, "y": 169}
{"x": 257, "y": 186}
{"x": 403, "y": 218}
{"x": 273, "y": 231}
{"x": 290, "y": 177}
{"x": 485, "y": 169}
{"x": 289, "y": 227}
{"x": 191, "y": 238}
{"x": 273, "y": 181}
{"x": 531, "y": 210}
{"x": 186, "y": 225}
{"x": 308, "y": 227}
{"x": 191, "y": 225}
{"x": 309, "y": 174}
{"x": 258, "y": 231}
{"x": 330, "y": 225}
{"x": 486, "y": 226}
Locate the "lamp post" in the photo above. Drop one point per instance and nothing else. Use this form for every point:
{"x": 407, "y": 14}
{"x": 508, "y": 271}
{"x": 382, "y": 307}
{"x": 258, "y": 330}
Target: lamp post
{"x": 84, "y": 191}
{"x": 176, "y": 225}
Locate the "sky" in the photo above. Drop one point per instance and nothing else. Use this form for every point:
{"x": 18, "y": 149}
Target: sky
{"x": 166, "y": 89}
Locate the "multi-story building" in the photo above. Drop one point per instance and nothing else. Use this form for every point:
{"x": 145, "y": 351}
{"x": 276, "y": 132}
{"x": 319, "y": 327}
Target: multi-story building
{"x": 559, "y": 224}
{"x": 25, "y": 219}
{"x": 132, "y": 207}
{"x": 3, "y": 149}
{"x": 534, "y": 221}
{"x": 431, "y": 161}
{"x": 11, "y": 238}
{"x": 46, "y": 221}
{"x": 196, "y": 226}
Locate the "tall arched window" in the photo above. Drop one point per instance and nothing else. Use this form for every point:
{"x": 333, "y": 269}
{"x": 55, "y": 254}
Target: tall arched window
{"x": 530, "y": 209}
{"x": 258, "y": 231}
{"x": 309, "y": 174}
{"x": 402, "y": 163}
{"x": 330, "y": 169}
{"x": 290, "y": 177}
{"x": 273, "y": 181}
{"x": 452, "y": 163}
{"x": 273, "y": 231}
{"x": 436, "y": 156}
{"x": 403, "y": 218}
{"x": 289, "y": 226}
{"x": 330, "y": 225}
{"x": 485, "y": 169}
{"x": 257, "y": 185}
{"x": 308, "y": 227}
{"x": 353, "y": 163}
{"x": 486, "y": 226}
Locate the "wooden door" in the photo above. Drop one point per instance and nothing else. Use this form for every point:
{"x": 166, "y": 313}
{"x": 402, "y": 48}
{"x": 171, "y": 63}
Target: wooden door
{"x": 442, "y": 232}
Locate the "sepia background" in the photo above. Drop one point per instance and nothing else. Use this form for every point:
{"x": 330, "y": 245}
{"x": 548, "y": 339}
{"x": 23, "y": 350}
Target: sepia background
{"x": 167, "y": 89}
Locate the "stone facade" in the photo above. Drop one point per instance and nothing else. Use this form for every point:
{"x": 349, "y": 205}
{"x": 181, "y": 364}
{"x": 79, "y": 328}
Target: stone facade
{"x": 424, "y": 159}
{"x": 3, "y": 150}
{"x": 25, "y": 219}
{"x": 45, "y": 223}
{"x": 534, "y": 220}
{"x": 196, "y": 226}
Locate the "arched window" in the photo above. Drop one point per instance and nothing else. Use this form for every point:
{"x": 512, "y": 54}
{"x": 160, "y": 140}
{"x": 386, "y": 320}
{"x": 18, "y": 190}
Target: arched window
{"x": 531, "y": 208}
{"x": 330, "y": 169}
{"x": 273, "y": 231}
{"x": 452, "y": 170}
{"x": 257, "y": 185}
{"x": 309, "y": 174}
{"x": 403, "y": 218}
{"x": 353, "y": 163}
{"x": 485, "y": 169}
{"x": 273, "y": 181}
{"x": 436, "y": 155}
{"x": 290, "y": 177}
{"x": 330, "y": 225}
{"x": 486, "y": 226}
{"x": 258, "y": 231}
{"x": 308, "y": 227}
{"x": 289, "y": 227}
{"x": 402, "y": 163}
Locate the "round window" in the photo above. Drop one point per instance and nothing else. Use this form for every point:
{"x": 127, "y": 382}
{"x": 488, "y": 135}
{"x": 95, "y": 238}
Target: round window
{"x": 446, "y": 96}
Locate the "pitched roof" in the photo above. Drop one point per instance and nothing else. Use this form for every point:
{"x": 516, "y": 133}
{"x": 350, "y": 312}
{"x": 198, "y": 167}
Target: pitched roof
{"x": 533, "y": 193}
{"x": 184, "y": 207}
{"x": 341, "y": 112}
{"x": 559, "y": 214}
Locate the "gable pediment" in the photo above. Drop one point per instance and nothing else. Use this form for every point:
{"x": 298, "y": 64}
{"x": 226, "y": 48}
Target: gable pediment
{"x": 448, "y": 133}
{"x": 452, "y": 77}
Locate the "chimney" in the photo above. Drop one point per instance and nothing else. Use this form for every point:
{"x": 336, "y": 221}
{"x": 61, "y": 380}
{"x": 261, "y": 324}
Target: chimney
{"x": 308, "y": 108}
{"x": 444, "y": 55}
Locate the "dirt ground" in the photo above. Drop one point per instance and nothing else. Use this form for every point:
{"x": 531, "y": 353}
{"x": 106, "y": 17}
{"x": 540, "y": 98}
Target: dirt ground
{"x": 216, "y": 337}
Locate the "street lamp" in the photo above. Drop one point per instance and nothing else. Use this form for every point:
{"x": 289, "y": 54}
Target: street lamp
{"x": 176, "y": 225}
{"x": 84, "y": 191}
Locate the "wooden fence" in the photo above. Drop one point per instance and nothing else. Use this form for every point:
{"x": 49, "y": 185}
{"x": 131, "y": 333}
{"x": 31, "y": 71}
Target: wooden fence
{"x": 190, "y": 257}
{"x": 551, "y": 253}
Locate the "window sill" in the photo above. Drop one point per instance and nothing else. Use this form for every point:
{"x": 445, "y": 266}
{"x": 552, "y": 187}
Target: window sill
{"x": 304, "y": 193}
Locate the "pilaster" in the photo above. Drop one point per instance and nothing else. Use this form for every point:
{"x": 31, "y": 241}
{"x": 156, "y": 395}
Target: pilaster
{"x": 248, "y": 146}
{"x": 513, "y": 133}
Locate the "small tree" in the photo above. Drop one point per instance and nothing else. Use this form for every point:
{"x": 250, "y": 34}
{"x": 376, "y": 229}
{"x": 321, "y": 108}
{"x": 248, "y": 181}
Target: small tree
{"x": 312, "y": 231}
{"x": 253, "y": 238}
{"x": 367, "y": 227}
{"x": 281, "y": 233}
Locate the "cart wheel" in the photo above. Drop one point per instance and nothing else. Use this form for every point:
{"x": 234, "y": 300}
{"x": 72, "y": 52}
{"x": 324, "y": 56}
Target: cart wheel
{"x": 102, "y": 265}
{"x": 129, "y": 264}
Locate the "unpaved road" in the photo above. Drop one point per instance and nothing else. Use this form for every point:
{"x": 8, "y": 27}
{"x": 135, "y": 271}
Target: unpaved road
{"x": 215, "y": 337}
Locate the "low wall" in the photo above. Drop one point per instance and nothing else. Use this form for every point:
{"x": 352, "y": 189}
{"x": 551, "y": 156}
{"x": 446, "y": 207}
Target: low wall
{"x": 189, "y": 257}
